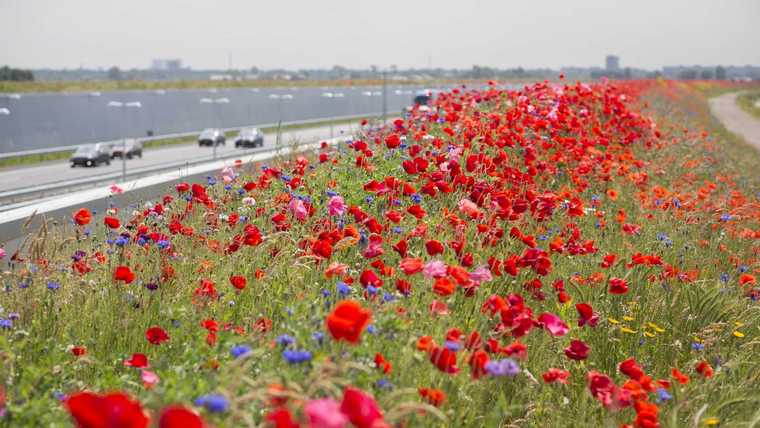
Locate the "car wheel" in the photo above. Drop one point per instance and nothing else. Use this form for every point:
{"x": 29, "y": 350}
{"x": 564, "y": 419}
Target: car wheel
{"x": 89, "y": 163}
{"x": 73, "y": 165}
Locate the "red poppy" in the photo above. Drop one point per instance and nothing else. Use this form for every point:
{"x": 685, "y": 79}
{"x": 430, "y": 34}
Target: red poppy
{"x": 361, "y": 409}
{"x": 443, "y": 287}
{"x": 156, "y": 335}
{"x": 433, "y": 247}
{"x": 281, "y": 418}
{"x": 631, "y": 369}
{"x": 105, "y": 411}
{"x": 556, "y": 375}
{"x": 578, "y": 350}
{"x": 139, "y": 361}
{"x": 82, "y": 216}
{"x": 618, "y": 286}
{"x": 678, "y": 376}
{"x": 348, "y": 320}
{"x": 179, "y": 417}
{"x": 238, "y": 281}
{"x": 410, "y": 266}
{"x": 444, "y": 359}
{"x": 124, "y": 273}
{"x": 79, "y": 351}
{"x": 111, "y": 222}
{"x": 436, "y": 397}
{"x": 587, "y": 315}
{"x": 703, "y": 368}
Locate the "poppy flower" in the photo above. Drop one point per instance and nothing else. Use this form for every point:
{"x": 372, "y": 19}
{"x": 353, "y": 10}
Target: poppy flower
{"x": 111, "y": 222}
{"x": 631, "y": 369}
{"x": 179, "y": 417}
{"x": 79, "y": 351}
{"x": 586, "y": 315}
{"x": 410, "y": 266}
{"x": 82, "y": 216}
{"x": 360, "y": 408}
{"x": 348, "y": 320}
{"x": 556, "y": 375}
{"x": 704, "y": 368}
{"x": 156, "y": 335}
{"x": 443, "y": 287}
{"x": 124, "y": 273}
{"x": 238, "y": 281}
{"x": 325, "y": 413}
{"x": 117, "y": 409}
{"x": 433, "y": 247}
{"x": 139, "y": 361}
{"x": 436, "y": 397}
{"x": 618, "y": 286}
{"x": 553, "y": 324}
{"x": 578, "y": 350}
{"x": 679, "y": 377}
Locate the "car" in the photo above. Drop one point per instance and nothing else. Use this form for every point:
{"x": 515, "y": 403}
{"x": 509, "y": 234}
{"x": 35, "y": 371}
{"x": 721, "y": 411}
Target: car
{"x": 211, "y": 137}
{"x": 130, "y": 149}
{"x": 250, "y": 137}
{"x": 90, "y": 155}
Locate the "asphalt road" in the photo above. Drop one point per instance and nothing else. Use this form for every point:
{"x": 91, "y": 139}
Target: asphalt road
{"x": 44, "y": 120}
{"x": 735, "y": 119}
{"x": 17, "y": 178}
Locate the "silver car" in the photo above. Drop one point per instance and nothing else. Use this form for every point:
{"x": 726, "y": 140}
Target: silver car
{"x": 211, "y": 137}
{"x": 250, "y": 137}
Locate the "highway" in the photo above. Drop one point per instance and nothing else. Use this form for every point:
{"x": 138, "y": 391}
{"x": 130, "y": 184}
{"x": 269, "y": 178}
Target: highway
{"x": 52, "y": 172}
{"x": 45, "y": 120}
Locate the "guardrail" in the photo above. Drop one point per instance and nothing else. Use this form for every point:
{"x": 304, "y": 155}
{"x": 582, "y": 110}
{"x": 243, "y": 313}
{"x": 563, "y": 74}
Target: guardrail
{"x": 187, "y": 134}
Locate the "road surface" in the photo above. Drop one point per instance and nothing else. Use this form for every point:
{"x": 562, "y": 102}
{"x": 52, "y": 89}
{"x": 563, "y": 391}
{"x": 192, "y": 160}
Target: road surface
{"x": 735, "y": 119}
{"x": 45, "y": 120}
{"x": 52, "y": 172}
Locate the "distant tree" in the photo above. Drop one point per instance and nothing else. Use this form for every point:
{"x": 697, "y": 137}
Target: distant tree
{"x": 706, "y": 74}
{"x": 720, "y": 73}
{"x": 114, "y": 73}
{"x": 15, "y": 74}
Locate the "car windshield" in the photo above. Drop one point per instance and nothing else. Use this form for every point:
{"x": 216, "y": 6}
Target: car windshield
{"x": 208, "y": 133}
{"x": 84, "y": 150}
{"x": 249, "y": 132}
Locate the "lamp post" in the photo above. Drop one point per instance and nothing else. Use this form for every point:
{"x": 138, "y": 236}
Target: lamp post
{"x": 216, "y": 102}
{"x": 124, "y": 106}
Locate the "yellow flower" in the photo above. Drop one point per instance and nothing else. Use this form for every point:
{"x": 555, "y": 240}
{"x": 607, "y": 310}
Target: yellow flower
{"x": 648, "y": 334}
{"x": 656, "y": 327}
{"x": 627, "y": 330}
{"x": 738, "y": 324}
{"x": 627, "y": 318}
{"x": 738, "y": 334}
{"x": 712, "y": 421}
{"x": 613, "y": 321}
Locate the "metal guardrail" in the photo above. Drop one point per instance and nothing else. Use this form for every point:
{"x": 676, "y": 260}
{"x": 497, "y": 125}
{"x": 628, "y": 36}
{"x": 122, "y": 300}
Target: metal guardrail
{"x": 186, "y": 134}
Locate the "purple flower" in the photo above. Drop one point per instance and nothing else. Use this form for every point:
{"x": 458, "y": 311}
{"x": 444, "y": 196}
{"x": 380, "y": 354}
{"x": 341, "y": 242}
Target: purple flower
{"x": 505, "y": 367}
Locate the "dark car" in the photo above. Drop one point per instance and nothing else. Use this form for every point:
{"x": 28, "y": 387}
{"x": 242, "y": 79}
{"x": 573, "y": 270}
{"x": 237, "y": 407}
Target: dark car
{"x": 211, "y": 137}
{"x": 250, "y": 137}
{"x": 129, "y": 149}
{"x": 90, "y": 155}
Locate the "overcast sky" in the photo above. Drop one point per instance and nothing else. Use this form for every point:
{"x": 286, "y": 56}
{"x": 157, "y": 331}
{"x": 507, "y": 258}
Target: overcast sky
{"x": 358, "y": 33}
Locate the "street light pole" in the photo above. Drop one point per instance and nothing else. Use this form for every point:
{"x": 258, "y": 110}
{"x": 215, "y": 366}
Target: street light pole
{"x": 124, "y": 106}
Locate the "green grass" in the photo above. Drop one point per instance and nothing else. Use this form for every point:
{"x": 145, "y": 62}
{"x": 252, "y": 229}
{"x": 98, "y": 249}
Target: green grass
{"x": 748, "y": 101}
{"x": 28, "y": 160}
{"x": 658, "y": 322}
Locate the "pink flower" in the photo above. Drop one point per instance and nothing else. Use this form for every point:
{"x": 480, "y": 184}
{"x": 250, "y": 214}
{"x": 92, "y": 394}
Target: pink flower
{"x": 2, "y": 253}
{"x": 553, "y": 324}
{"x": 468, "y": 207}
{"x": 115, "y": 190}
{"x": 481, "y": 274}
{"x": 336, "y": 206}
{"x": 298, "y": 209}
{"x": 149, "y": 378}
{"x": 434, "y": 269}
{"x": 325, "y": 413}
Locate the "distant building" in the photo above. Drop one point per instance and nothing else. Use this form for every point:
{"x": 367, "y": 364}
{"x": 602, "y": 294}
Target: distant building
{"x": 612, "y": 63}
{"x": 166, "y": 64}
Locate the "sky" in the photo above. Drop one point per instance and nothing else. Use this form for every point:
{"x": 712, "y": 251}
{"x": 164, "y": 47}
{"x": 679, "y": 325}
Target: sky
{"x": 357, "y": 33}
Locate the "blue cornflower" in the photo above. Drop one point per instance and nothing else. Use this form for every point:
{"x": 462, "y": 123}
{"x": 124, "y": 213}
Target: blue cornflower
{"x": 743, "y": 268}
{"x": 505, "y": 367}
{"x": 318, "y": 336}
{"x": 285, "y": 340}
{"x": 676, "y": 203}
{"x": 452, "y": 346}
{"x": 122, "y": 241}
{"x": 4, "y": 323}
{"x": 53, "y": 285}
{"x": 371, "y": 329}
{"x": 371, "y": 290}
{"x": 241, "y": 192}
{"x": 398, "y": 230}
{"x": 724, "y": 277}
{"x": 326, "y": 293}
{"x": 369, "y": 199}
{"x": 211, "y": 181}
{"x": 416, "y": 198}
{"x": 240, "y": 351}
{"x": 343, "y": 289}
{"x": 725, "y": 217}
{"x": 331, "y": 193}
{"x": 286, "y": 178}
{"x": 388, "y": 297}
{"x": 214, "y": 403}
{"x": 384, "y": 384}
{"x": 227, "y": 187}
{"x": 164, "y": 244}
{"x": 296, "y": 357}
{"x": 662, "y": 395}
{"x": 697, "y": 346}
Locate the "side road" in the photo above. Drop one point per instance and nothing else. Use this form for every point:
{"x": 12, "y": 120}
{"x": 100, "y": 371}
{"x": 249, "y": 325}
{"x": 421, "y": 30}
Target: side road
{"x": 735, "y": 119}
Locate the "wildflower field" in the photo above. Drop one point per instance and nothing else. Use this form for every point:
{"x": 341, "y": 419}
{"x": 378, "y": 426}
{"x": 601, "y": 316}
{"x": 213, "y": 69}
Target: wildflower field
{"x": 563, "y": 255}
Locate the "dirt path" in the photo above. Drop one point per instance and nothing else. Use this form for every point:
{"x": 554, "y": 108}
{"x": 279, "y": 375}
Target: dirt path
{"x": 735, "y": 119}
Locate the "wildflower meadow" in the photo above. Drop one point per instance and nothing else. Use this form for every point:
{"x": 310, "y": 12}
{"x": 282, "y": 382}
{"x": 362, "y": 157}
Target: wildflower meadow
{"x": 559, "y": 255}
